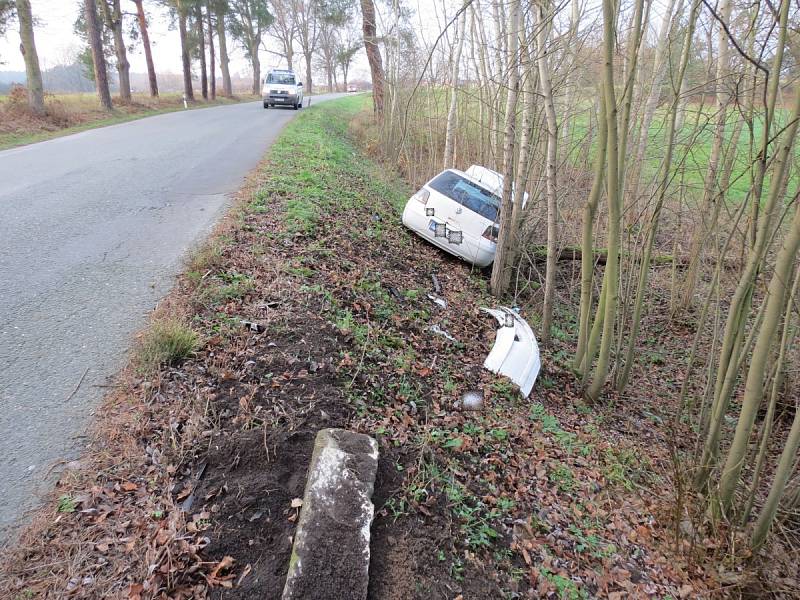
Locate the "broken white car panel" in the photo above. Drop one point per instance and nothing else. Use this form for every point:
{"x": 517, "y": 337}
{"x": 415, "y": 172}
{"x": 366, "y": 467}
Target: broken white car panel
{"x": 458, "y": 211}
{"x": 515, "y": 353}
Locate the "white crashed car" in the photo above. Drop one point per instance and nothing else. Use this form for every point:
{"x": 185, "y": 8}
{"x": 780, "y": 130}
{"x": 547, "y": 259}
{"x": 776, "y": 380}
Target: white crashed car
{"x": 458, "y": 211}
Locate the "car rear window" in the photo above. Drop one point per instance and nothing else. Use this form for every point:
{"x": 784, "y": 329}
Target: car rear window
{"x": 281, "y": 78}
{"x": 467, "y": 194}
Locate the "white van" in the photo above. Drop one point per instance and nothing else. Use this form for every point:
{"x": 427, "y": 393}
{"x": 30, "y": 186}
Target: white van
{"x": 282, "y": 88}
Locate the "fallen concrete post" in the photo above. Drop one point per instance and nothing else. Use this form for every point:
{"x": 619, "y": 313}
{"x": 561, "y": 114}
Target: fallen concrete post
{"x": 330, "y": 556}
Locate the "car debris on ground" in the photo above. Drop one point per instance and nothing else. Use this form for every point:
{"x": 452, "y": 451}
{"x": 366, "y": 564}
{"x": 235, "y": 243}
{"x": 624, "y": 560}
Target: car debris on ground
{"x": 515, "y": 353}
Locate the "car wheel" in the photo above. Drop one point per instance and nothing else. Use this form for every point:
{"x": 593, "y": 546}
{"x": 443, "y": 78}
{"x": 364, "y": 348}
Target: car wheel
{"x": 296, "y": 106}
{"x": 266, "y": 104}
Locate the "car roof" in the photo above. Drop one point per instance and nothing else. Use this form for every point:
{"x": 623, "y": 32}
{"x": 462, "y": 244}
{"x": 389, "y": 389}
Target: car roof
{"x": 476, "y": 174}
{"x": 466, "y": 176}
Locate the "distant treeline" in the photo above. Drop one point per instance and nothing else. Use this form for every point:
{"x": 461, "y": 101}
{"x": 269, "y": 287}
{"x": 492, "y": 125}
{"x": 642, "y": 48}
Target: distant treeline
{"x": 72, "y": 79}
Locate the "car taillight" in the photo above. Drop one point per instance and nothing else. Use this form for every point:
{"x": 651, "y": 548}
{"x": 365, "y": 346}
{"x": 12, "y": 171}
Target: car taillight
{"x": 491, "y": 233}
{"x": 422, "y": 196}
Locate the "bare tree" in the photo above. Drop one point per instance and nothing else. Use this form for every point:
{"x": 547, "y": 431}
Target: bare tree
{"x": 551, "y": 185}
{"x": 111, "y": 12}
{"x": 7, "y": 10}
{"x": 182, "y": 7}
{"x": 308, "y": 30}
{"x": 98, "y": 58}
{"x": 461, "y": 31}
{"x": 148, "y": 51}
{"x": 201, "y": 49}
{"x": 248, "y": 21}
{"x": 284, "y": 29}
{"x": 211, "y": 54}
{"x": 504, "y": 241}
{"x": 28, "y": 49}
{"x": 345, "y": 53}
{"x": 373, "y": 54}
{"x": 220, "y": 11}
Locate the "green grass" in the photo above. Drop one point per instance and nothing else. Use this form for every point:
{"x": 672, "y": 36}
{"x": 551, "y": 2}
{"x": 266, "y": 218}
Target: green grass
{"x": 694, "y": 142}
{"x": 166, "y": 342}
{"x": 66, "y": 504}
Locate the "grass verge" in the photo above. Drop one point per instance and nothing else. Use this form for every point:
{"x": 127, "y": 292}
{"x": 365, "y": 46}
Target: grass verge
{"x": 73, "y": 113}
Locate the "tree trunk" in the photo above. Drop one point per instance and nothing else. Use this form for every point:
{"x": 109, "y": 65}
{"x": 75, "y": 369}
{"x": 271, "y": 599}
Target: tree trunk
{"x": 96, "y": 44}
{"x": 112, "y": 15}
{"x": 782, "y": 474}
{"x": 527, "y": 96}
{"x": 188, "y": 92}
{"x": 309, "y": 80}
{"x": 227, "y": 89}
{"x": 740, "y": 303}
{"x": 787, "y": 339}
{"x": 506, "y": 207}
{"x": 497, "y": 77}
{"x": 666, "y": 168}
{"x": 373, "y": 54}
{"x": 256, "y": 70}
{"x": 711, "y": 190}
{"x": 148, "y": 51}
{"x": 28, "y": 49}
{"x": 551, "y": 192}
{"x": 201, "y": 36}
{"x": 450, "y": 128}
{"x": 631, "y": 59}
{"x": 730, "y": 351}
{"x": 212, "y": 67}
{"x": 769, "y": 114}
{"x": 587, "y": 252}
{"x": 754, "y": 386}
{"x": 654, "y": 94}
{"x": 570, "y": 80}
{"x": 610, "y": 291}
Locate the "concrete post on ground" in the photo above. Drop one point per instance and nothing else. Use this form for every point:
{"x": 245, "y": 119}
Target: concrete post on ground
{"x": 330, "y": 557}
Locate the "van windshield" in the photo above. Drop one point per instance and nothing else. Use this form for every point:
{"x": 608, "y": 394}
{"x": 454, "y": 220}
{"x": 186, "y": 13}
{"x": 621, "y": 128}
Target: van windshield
{"x": 467, "y": 194}
{"x": 281, "y": 78}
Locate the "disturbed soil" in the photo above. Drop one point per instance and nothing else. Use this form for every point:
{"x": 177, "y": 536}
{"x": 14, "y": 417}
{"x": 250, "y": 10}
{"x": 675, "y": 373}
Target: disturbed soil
{"x": 312, "y": 304}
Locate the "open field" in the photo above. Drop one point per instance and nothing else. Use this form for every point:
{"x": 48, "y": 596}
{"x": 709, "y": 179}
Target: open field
{"x": 690, "y": 162}
{"x": 71, "y": 113}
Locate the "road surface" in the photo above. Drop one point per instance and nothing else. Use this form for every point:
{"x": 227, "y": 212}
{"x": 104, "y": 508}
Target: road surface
{"x": 94, "y": 228}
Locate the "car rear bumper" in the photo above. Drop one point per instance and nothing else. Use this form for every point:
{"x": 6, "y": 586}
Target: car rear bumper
{"x": 479, "y": 252}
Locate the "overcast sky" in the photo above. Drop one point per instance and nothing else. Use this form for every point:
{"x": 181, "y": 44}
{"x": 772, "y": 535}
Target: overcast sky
{"x": 56, "y": 42}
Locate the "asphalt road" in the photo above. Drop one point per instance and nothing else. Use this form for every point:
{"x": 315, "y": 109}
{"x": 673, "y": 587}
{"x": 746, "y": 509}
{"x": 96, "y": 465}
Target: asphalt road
{"x": 95, "y": 227}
